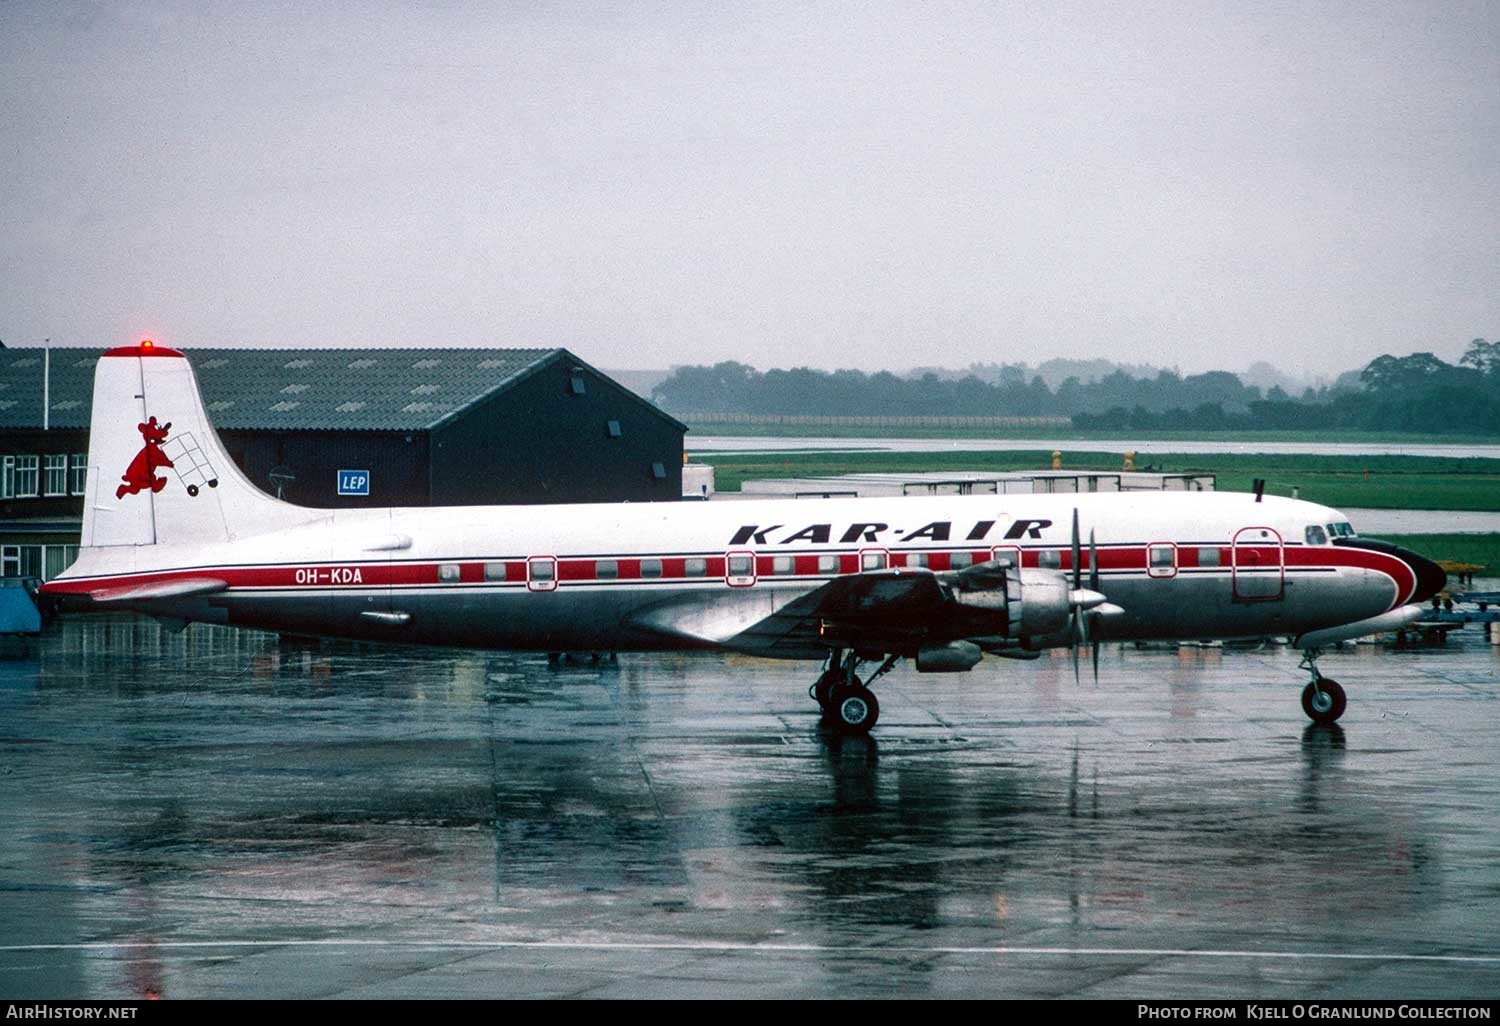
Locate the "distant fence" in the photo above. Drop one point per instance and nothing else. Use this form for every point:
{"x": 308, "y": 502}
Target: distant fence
{"x": 880, "y": 421}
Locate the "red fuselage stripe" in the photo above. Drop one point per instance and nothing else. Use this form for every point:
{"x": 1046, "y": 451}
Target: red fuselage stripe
{"x": 511, "y": 570}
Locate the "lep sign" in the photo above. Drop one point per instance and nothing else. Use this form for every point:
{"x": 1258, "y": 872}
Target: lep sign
{"x": 354, "y": 482}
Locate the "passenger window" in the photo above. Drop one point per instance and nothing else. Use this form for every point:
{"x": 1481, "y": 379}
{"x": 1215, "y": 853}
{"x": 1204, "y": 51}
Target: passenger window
{"x": 695, "y": 566}
{"x": 448, "y": 572}
{"x": 1208, "y": 556}
{"x": 650, "y": 568}
{"x": 959, "y": 560}
{"x": 783, "y": 564}
{"x": 739, "y": 569}
{"x": 916, "y": 559}
{"x": 1315, "y": 535}
{"x": 828, "y": 564}
{"x": 1161, "y": 560}
{"x": 872, "y": 560}
{"x": 541, "y": 573}
{"x": 1049, "y": 559}
{"x": 606, "y": 569}
{"x": 494, "y": 571}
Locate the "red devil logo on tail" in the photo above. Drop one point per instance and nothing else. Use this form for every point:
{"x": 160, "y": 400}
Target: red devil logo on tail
{"x": 141, "y": 474}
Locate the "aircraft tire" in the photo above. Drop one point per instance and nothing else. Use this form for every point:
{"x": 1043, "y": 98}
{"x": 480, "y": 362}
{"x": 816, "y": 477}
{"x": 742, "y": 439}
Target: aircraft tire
{"x": 853, "y": 709}
{"x": 1326, "y": 712}
{"x": 822, "y": 689}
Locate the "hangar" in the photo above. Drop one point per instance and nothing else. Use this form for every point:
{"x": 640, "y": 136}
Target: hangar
{"x": 332, "y": 428}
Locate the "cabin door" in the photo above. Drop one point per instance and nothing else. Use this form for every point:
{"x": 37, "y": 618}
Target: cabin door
{"x": 1257, "y": 566}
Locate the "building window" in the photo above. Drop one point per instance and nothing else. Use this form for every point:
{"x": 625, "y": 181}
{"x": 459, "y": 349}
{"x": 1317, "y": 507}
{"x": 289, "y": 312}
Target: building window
{"x": 26, "y": 476}
{"x": 21, "y": 560}
{"x": 56, "y": 559}
{"x": 79, "y": 471}
{"x": 659, "y": 471}
{"x": 7, "y": 477}
{"x": 576, "y": 385}
{"x": 612, "y": 428}
{"x": 56, "y": 482}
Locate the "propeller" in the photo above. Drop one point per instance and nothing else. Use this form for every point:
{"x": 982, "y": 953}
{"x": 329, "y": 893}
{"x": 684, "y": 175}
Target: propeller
{"x": 1087, "y": 602}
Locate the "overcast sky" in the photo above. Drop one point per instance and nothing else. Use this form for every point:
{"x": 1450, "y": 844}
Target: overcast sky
{"x": 856, "y": 185}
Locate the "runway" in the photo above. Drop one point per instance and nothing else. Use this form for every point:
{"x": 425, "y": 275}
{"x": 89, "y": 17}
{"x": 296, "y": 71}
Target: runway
{"x": 221, "y": 814}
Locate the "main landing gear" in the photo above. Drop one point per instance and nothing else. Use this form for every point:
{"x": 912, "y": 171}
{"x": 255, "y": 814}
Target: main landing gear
{"x": 848, "y": 704}
{"x": 1323, "y": 699}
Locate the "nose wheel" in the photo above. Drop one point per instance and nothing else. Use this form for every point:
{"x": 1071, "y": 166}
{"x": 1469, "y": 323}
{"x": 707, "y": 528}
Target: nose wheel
{"x": 1323, "y": 699}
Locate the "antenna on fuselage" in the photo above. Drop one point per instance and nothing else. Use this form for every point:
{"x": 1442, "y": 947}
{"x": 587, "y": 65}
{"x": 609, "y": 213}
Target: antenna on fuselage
{"x": 1259, "y": 487}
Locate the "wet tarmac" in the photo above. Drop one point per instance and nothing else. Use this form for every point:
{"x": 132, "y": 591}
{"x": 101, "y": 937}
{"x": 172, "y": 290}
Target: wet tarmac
{"x": 220, "y": 814}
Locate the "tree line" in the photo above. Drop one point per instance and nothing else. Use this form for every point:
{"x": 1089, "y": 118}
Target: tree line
{"x": 1417, "y": 393}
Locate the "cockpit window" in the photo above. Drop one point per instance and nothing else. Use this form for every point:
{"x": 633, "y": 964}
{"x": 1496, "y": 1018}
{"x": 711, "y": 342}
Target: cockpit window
{"x": 1316, "y": 536}
{"x": 1342, "y": 529}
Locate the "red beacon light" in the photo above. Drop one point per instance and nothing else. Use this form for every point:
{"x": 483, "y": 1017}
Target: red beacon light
{"x": 146, "y": 343}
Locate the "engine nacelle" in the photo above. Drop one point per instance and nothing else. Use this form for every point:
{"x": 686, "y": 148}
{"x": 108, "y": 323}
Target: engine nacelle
{"x": 1044, "y": 601}
{"x": 1035, "y": 603}
{"x": 954, "y": 657}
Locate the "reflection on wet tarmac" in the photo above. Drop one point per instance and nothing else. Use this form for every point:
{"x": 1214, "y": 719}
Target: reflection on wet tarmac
{"x": 221, "y": 813}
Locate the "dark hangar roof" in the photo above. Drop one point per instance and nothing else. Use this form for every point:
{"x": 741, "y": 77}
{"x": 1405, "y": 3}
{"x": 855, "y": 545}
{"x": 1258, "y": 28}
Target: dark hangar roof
{"x": 296, "y": 389}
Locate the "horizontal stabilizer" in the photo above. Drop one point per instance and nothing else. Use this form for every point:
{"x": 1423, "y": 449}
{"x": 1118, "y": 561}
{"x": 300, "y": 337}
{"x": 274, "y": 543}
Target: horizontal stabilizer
{"x": 178, "y": 587}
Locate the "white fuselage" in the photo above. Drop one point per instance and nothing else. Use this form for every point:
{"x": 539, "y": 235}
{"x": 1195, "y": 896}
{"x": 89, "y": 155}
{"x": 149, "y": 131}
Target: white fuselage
{"x": 669, "y": 575}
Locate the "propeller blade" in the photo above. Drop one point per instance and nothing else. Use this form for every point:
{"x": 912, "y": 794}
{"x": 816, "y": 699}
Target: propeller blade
{"x": 1077, "y": 570}
{"x": 1093, "y": 563}
{"x": 1096, "y": 661}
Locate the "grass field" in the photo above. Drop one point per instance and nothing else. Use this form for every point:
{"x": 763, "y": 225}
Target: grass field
{"x": 702, "y": 428}
{"x": 1483, "y": 549}
{"x": 1371, "y": 482}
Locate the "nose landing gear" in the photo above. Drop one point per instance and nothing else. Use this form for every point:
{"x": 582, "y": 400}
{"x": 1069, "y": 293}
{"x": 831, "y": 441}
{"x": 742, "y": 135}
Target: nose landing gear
{"x": 1323, "y": 699}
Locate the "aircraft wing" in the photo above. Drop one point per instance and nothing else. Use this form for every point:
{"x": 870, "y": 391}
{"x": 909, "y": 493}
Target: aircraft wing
{"x": 886, "y": 609}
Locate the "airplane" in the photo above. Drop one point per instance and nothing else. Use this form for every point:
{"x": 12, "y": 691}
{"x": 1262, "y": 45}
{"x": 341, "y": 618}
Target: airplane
{"x": 173, "y": 529}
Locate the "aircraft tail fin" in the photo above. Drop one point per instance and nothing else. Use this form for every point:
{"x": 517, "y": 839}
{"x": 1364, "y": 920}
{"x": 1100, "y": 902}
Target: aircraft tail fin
{"x": 158, "y": 473}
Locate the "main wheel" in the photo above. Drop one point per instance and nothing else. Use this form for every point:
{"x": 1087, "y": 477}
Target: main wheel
{"x": 853, "y": 709}
{"x": 1325, "y": 702}
{"x": 822, "y": 689}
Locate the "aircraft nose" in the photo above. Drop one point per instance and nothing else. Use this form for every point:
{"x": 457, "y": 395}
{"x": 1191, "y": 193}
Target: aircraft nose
{"x": 1431, "y": 578}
